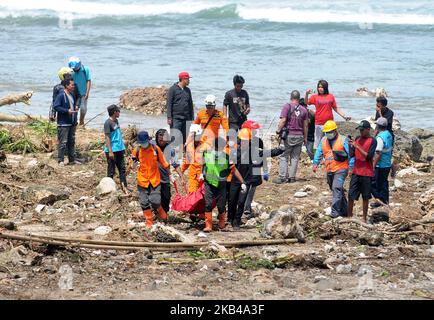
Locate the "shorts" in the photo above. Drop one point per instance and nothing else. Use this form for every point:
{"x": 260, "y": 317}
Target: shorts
{"x": 360, "y": 185}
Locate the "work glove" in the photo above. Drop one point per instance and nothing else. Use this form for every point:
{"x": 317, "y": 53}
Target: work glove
{"x": 243, "y": 188}
{"x": 201, "y": 177}
{"x": 266, "y": 176}
{"x": 172, "y": 178}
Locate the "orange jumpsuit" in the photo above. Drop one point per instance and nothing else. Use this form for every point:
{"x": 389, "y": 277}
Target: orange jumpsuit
{"x": 212, "y": 130}
{"x": 193, "y": 162}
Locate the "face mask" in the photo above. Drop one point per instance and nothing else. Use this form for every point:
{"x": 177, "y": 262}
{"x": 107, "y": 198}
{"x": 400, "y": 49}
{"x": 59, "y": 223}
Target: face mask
{"x": 145, "y": 145}
{"x": 330, "y": 136}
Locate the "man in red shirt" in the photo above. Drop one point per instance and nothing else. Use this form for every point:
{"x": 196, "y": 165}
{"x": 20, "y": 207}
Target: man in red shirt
{"x": 362, "y": 152}
{"x": 324, "y": 103}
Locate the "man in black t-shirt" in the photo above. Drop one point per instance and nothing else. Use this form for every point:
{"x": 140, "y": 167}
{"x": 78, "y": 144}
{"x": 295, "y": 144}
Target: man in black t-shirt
{"x": 236, "y": 105}
{"x": 381, "y": 110}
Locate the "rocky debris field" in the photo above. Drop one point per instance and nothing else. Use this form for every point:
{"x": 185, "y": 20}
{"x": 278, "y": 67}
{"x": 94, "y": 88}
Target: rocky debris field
{"x": 391, "y": 257}
{"x": 149, "y": 100}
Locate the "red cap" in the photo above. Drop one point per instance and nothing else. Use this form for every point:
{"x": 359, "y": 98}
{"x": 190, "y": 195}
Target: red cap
{"x": 184, "y": 75}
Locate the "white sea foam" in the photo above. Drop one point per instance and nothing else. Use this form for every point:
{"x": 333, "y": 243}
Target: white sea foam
{"x": 275, "y": 11}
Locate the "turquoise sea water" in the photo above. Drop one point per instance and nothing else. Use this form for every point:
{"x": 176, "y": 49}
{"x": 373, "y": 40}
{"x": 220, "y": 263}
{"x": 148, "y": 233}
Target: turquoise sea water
{"x": 277, "y": 46}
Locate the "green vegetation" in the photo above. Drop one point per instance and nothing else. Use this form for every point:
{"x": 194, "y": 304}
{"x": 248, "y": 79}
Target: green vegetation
{"x": 43, "y": 127}
{"x": 253, "y": 263}
{"x": 5, "y": 138}
{"x": 23, "y": 145}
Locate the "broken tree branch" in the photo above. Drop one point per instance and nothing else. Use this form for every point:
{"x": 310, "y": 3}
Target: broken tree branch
{"x": 23, "y": 97}
{"x": 24, "y": 118}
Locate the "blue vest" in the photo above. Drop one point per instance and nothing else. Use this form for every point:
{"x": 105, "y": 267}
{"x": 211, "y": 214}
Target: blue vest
{"x": 386, "y": 154}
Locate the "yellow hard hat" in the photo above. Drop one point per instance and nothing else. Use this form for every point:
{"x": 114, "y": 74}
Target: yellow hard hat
{"x": 245, "y": 134}
{"x": 330, "y": 126}
{"x": 65, "y": 70}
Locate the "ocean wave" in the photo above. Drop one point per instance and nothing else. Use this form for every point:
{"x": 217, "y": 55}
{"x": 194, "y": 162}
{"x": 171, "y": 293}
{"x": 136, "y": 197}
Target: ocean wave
{"x": 271, "y": 12}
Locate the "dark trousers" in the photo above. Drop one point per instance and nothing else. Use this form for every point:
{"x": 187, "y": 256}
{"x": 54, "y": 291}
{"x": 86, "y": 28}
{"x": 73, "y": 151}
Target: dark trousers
{"x": 66, "y": 137}
{"x": 215, "y": 194}
{"x": 237, "y": 200}
{"x": 119, "y": 163}
{"x": 165, "y": 196}
{"x": 380, "y": 184}
{"x": 336, "y": 182}
{"x": 180, "y": 125}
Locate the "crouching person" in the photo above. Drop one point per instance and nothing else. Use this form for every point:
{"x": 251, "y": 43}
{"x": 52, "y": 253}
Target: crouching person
{"x": 147, "y": 156}
{"x": 216, "y": 169}
{"x": 334, "y": 149}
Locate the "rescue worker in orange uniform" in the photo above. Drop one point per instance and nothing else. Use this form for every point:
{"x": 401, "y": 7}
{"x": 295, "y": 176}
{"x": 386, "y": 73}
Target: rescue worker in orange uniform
{"x": 210, "y": 120}
{"x": 193, "y": 157}
{"x": 147, "y": 156}
{"x": 335, "y": 150}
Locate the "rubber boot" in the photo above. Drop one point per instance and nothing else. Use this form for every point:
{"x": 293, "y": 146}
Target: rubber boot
{"x": 149, "y": 216}
{"x": 222, "y": 221}
{"x": 162, "y": 214}
{"x": 208, "y": 222}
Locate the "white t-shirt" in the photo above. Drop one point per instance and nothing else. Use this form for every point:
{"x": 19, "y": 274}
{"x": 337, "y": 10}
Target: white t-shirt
{"x": 380, "y": 145}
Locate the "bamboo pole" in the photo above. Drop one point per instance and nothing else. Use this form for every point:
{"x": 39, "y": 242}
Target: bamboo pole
{"x": 228, "y": 244}
{"x": 120, "y": 245}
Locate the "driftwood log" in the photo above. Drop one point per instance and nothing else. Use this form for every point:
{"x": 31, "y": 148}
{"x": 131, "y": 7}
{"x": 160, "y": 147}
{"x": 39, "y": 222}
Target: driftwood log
{"x": 23, "y": 97}
{"x": 24, "y": 118}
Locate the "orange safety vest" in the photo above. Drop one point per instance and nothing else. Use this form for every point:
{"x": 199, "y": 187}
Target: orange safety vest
{"x": 148, "y": 172}
{"x": 331, "y": 164}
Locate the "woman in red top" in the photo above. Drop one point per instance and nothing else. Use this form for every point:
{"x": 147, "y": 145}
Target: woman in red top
{"x": 324, "y": 103}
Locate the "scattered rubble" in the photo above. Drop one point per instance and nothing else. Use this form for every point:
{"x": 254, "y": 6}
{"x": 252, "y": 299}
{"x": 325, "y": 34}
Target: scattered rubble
{"x": 46, "y": 195}
{"x": 283, "y": 225}
{"x": 149, "y": 100}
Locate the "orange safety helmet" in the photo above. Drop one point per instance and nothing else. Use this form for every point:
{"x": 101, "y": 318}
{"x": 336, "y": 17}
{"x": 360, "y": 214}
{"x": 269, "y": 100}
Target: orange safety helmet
{"x": 245, "y": 134}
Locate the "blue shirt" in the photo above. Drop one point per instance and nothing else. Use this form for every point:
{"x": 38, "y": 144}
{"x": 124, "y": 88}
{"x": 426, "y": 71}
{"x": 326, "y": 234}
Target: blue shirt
{"x": 386, "y": 153}
{"x": 319, "y": 153}
{"x": 116, "y": 142}
{"x": 81, "y": 78}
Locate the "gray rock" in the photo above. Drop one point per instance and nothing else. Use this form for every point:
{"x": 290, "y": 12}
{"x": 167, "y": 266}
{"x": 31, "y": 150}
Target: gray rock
{"x": 408, "y": 172}
{"x": 102, "y": 230}
{"x": 45, "y": 195}
{"x": 300, "y": 194}
{"x": 283, "y": 225}
{"x": 198, "y": 293}
{"x": 106, "y": 186}
{"x": 364, "y": 269}
{"x": 422, "y": 134}
{"x": 319, "y": 278}
{"x": 163, "y": 233}
{"x": 328, "y": 248}
{"x": 378, "y": 215}
{"x": 344, "y": 268}
{"x": 371, "y": 238}
{"x": 399, "y": 184}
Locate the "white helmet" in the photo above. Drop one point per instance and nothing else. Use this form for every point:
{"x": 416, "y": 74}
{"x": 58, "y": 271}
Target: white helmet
{"x": 210, "y": 100}
{"x": 196, "y": 128}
